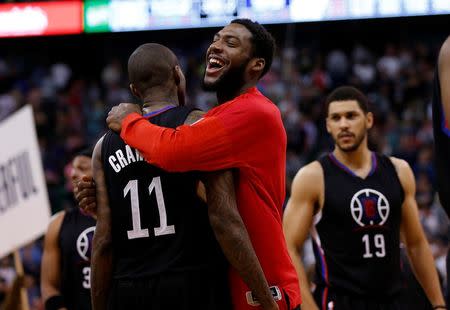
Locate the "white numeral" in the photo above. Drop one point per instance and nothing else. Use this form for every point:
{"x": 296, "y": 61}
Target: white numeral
{"x": 163, "y": 229}
{"x": 379, "y": 244}
{"x": 137, "y": 231}
{"x": 87, "y": 277}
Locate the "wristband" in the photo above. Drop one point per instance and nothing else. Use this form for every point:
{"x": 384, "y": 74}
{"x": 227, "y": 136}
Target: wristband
{"x": 55, "y": 302}
{"x": 439, "y": 307}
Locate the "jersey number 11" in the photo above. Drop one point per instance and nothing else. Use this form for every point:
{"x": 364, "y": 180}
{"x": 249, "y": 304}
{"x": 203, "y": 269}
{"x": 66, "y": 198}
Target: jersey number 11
{"x": 138, "y": 231}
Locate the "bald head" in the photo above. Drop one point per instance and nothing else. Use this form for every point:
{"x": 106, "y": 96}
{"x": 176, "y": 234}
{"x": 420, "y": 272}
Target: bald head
{"x": 151, "y": 66}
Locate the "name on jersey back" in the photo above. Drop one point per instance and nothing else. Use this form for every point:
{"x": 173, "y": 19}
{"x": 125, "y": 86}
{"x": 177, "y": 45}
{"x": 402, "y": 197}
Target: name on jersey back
{"x": 121, "y": 159}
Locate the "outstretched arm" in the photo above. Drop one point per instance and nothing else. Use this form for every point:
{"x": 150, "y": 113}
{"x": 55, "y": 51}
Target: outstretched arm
{"x": 101, "y": 265}
{"x": 232, "y": 235}
{"x": 418, "y": 250}
{"x": 213, "y": 143}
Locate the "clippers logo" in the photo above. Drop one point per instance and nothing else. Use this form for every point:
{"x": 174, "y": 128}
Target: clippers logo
{"x": 369, "y": 207}
{"x": 84, "y": 243}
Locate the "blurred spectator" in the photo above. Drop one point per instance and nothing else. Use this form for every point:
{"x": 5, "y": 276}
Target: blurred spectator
{"x": 70, "y": 105}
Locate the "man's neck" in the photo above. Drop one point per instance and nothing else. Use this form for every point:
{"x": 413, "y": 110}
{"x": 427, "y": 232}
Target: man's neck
{"x": 224, "y": 95}
{"x": 154, "y": 103}
{"x": 360, "y": 158}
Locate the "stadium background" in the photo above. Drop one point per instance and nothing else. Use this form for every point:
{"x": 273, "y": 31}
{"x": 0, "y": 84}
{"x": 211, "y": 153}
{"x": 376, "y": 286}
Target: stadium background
{"x": 72, "y": 81}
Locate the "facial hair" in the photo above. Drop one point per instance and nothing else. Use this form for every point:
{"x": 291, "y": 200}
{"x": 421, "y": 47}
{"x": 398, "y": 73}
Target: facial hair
{"x": 358, "y": 140}
{"x": 229, "y": 81}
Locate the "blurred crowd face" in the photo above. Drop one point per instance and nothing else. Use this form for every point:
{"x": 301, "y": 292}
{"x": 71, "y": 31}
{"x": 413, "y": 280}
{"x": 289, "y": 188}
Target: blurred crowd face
{"x": 81, "y": 165}
{"x": 227, "y": 58}
{"x": 348, "y": 124}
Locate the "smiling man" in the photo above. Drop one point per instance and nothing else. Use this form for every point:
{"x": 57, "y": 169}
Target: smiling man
{"x": 244, "y": 132}
{"x": 357, "y": 205}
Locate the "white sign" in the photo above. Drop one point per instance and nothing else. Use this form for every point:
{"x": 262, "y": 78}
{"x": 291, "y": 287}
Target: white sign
{"x": 28, "y": 20}
{"x": 24, "y": 204}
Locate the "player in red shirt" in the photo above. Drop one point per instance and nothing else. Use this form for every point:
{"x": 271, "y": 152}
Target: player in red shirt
{"x": 244, "y": 132}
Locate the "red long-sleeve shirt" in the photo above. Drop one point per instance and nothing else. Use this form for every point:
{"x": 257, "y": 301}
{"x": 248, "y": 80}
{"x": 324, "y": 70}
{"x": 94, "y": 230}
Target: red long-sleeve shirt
{"x": 245, "y": 133}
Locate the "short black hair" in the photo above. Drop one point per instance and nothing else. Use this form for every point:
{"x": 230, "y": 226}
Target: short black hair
{"x": 263, "y": 42}
{"x": 151, "y": 65}
{"x": 87, "y": 151}
{"x": 345, "y": 93}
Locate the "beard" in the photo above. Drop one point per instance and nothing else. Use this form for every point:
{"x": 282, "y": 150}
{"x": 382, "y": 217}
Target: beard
{"x": 350, "y": 148}
{"x": 229, "y": 81}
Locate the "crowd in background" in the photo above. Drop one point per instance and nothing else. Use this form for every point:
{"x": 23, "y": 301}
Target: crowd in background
{"x": 70, "y": 110}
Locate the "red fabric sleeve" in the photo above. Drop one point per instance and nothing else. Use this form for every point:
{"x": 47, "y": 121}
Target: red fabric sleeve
{"x": 205, "y": 145}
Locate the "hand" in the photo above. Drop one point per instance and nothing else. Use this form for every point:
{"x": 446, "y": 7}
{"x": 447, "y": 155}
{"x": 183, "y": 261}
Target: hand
{"x": 85, "y": 194}
{"x": 118, "y": 113}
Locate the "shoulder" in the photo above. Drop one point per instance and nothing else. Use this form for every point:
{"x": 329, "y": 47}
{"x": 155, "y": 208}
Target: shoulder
{"x": 55, "y": 224}
{"x": 404, "y": 173}
{"x": 400, "y": 164}
{"x": 308, "y": 179}
{"x": 194, "y": 116}
{"x": 444, "y": 54}
{"x": 97, "y": 153}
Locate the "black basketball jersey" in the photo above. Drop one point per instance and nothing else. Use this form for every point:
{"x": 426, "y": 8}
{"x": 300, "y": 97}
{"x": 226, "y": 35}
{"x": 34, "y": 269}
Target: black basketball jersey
{"x": 441, "y": 126}
{"x": 75, "y": 243}
{"x": 158, "y": 222}
{"x": 356, "y": 235}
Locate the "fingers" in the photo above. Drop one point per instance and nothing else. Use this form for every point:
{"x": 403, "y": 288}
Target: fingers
{"x": 84, "y": 189}
{"x": 87, "y": 178}
{"x": 90, "y": 210}
{"x": 86, "y": 201}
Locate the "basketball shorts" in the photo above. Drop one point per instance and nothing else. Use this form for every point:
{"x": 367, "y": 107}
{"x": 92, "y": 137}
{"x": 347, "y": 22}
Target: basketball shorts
{"x": 180, "y": 291}
{"x": 328, "y": 299}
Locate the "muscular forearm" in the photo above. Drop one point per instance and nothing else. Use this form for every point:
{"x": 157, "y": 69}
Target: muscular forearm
{"x": 101, "y": 274}
{"x": 232, "y": 235}
{"x": 236, "y": 245}
{"x": 424, "y": 269}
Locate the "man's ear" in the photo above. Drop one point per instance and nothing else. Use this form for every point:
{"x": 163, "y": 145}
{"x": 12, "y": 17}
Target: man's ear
{"x": 177, "y": 75}
{"x": 257, "y": 65}
{"x": 369, "y": 120}
{"x": 180, "y": 82}
{"x": 134, "y": 91}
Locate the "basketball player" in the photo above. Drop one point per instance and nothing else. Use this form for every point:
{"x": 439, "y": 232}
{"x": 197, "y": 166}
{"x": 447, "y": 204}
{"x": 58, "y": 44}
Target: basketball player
{"x": 441, "y": 127}
{"x": 357, "y": 205}
{"x": 153, "y": 236}
{"x": 65, "y": 269}
{"x": 245, "y": 132}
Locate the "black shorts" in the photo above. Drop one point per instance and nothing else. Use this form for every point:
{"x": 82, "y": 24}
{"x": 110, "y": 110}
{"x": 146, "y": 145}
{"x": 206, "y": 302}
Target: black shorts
{"x": 180, "y": 291}
{"x": 328, "y": 299}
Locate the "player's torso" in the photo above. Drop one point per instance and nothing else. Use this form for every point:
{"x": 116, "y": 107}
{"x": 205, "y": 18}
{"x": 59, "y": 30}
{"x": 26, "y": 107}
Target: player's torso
{"x": 260, "y": 193}
{"x": 159, "y": 223}
{"x": 356, "y": 235}
{"x": 75, "y": 241}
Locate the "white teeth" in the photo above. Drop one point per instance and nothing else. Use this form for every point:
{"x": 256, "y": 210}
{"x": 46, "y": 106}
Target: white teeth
{"x": 216, "y": 61}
